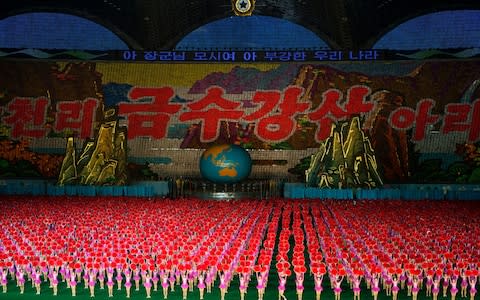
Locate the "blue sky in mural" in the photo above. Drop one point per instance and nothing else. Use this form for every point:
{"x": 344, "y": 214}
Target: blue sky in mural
{"x": 440, "y": 30}
{"x": 251, "y": 33}
{"x": 43, "y": 31}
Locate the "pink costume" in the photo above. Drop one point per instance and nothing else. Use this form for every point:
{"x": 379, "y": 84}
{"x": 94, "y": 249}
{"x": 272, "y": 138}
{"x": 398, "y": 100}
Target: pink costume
{"x": 110, "y": 279}
{"x": 318, "y": 283}
{"x": 20, "y": 277}
{"x": 92, "y": 279}
{"x": 445, "y": 281}
{"x": 415, "y": 287}
{"x": 136, "y": 275}
{"x": 155, "y": 278}
{"x": 54, "y": 278}
{"x": 299, "y": 282}
{"x": 184, "y": 281}
{"x": 128, "y": 277}
{"x": 356, "y": 284}
{"x": 223, "y": 284}
{"x": 4, "y": 281}
{"x": 282, "y": 283}
{"x": 336, "y": 284}
{"x": 165, "y": 282}
{"x": 395, "y": 287}
{"x": 119, "y": 275}
{"x": 73, "y": 279}
{"x": 37, "y": 279}
{"x": 148, "y": 282}
{"x": 473, "y": 282}
{"x": 464, "y": 283}
{"x": 453, "y": 282}
{"x": 436, "y": 286}
{"x": 429, "y": 281}
{"x": 201, "y": 281}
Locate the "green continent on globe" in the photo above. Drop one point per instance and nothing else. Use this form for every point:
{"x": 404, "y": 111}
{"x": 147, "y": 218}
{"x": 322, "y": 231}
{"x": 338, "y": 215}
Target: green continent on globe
{"x": 225, "y": 163}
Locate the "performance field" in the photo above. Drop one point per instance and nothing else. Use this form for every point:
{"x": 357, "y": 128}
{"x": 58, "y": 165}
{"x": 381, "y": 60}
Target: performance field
{"x": 188, "y": 248}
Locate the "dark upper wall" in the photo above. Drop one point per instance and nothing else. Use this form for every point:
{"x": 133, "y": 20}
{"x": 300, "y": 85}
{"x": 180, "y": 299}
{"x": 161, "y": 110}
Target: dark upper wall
{"x": 154, "y": 24}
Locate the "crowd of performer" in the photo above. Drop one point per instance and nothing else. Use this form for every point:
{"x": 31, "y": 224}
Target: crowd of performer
{"x": 158, "y": 246}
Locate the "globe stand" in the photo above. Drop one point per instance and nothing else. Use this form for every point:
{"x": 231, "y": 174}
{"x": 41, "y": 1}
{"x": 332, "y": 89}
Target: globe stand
{"x": 248, "y": 189}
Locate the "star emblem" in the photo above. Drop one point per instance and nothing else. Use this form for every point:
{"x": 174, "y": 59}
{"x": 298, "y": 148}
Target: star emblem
{"x": 243, "y": 7}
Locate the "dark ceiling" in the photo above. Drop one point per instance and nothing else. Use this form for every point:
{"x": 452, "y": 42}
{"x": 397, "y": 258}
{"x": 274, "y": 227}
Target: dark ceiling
{"x": 160, "y": 24}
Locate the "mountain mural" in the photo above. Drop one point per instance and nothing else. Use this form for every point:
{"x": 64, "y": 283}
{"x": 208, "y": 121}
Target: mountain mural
{"x": 241, "y": 79}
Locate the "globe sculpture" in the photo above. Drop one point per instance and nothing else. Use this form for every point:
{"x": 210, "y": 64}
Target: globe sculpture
{"x": 225, "y": 164}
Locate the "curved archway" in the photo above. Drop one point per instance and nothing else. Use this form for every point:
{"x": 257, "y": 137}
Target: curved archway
{"x": 52, "y": 30}
{"x": 439, "y": 30}
{"x": 251, "y": 33}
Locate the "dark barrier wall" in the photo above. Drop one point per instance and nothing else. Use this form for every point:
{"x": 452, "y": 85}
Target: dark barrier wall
{"x": 42, "y": 187}
{"x": 403, "y": 192}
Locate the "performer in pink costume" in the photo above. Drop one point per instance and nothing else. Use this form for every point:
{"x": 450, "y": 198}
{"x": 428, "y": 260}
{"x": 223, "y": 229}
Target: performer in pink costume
{"x": 147, "y": 284}
{"x": 388, "y": 284}
{"x": 73, "y": 283}
{"x": 356, "y": 287}
{"x": 119, "y": 279}
{"x": 318, "y": 279}
{"x": 92, "y": 282}
{"x": 37, "y": 280}
{"x": 110, "y": 282}
{"x": 436, "y": 287}
{"x": 171, "y": 280}
{"x": 86, "y": 278}
{"x": 21, "y": 280}
{"x": 155, "y": 280}
{"x": 453, "y": 289}
{"x": 136, "y": 277}
{"x": 222, "y": 286}
{"x": 403, "y": 278}
{"x": 409, "y": 284}
{"x": 191, "y": 279}
{"x": 184, "y": 285}
{"x": 201, "y": 284}
{"x": 101, "y": 277}
{"x": 243, "y": 282}
{"x": 165, "y": 283}
{"x": 128, "y": 282}
{"x": 177, "y": 276}
{"x": 464, "y": 285}
{"x": 375, "y": 285}
{"x": 472, "y": 282}
{"x": 337, "y": 282}
{"x": 282, "y": 282}
{"x": 209, "y": 279}
{"x": 54, "y": 281}
{"x": 395, "y": 287}
{"x": 260, "y": 285}
{"x": 44, "y": 271}
{"x": 415, "y": 288}
{"x": 3, "y": 280}
{"x": 429, "y": 283}
{"x": 446, "y": 283}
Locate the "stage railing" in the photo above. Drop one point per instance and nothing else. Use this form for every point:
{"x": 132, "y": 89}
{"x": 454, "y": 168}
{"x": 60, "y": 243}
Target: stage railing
{"x": 392, "y": 192}
{"x": 43, "y": 187}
